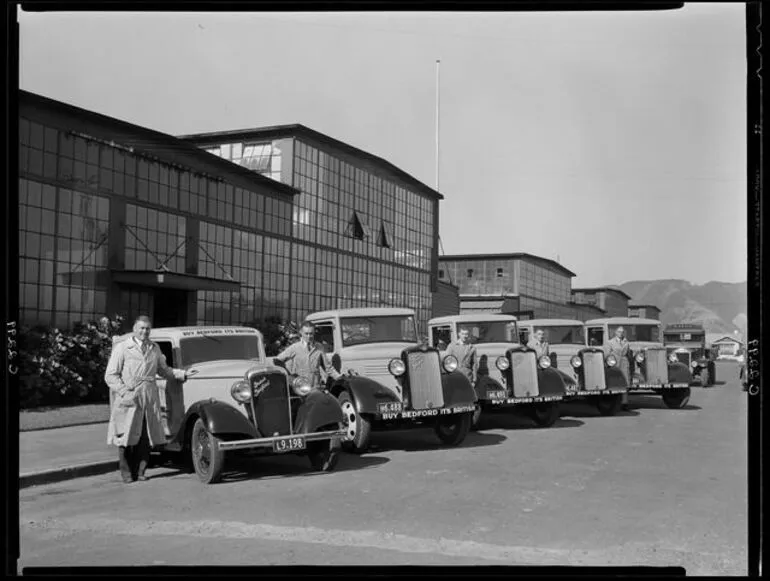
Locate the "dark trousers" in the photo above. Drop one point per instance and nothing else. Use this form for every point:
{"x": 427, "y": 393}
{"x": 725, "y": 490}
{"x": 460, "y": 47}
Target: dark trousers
{"x": 133, "y": 460}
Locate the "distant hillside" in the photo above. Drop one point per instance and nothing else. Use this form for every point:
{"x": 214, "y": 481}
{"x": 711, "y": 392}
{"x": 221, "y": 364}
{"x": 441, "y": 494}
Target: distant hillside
{"x": 720, "y": 306}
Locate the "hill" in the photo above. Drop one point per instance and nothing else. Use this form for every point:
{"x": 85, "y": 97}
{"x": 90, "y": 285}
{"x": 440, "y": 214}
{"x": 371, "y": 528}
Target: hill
{"x": 720, "y": 306}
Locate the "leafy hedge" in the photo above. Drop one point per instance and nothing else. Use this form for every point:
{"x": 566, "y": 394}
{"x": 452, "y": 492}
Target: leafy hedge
{"x": 278, "y": 333}
{"x": 65, "y": 367}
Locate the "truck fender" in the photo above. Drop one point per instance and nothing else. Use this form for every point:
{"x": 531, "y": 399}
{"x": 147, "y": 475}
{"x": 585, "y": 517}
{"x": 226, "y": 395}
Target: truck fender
{"x": 219, "y": 418}
{"x": 550, "y": 382}
{"x": 485, "y": 384}
{"x": 366, "y": 393}
{"x": 457, "y": 389}
{"x": 318, "y": 409}
{"x": 614, "y": 378}
{"x": 679, "y": 373}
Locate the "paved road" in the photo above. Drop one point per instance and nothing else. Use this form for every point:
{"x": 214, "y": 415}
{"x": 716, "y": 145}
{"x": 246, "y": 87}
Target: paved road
{"x": 652, "y": 486}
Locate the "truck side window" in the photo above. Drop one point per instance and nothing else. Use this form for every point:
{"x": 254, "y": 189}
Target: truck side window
{"x": 596, "y": 337}
{"x": 441, "y": 337}
{"x": 168, "y": 352}
{"x": 324, "y": 336}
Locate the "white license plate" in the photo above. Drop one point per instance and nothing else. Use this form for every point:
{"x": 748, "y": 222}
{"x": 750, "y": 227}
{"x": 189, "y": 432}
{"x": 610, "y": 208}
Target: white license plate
{"x": 289, "y": 444}
{"x": 496, "y": 394}
{"x": 389, "y": 407}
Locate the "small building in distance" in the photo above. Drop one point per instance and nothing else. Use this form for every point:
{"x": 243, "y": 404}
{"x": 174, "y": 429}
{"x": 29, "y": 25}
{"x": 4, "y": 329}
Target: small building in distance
{"x": 610, "y": 299}
{"x": 643, "y": 311}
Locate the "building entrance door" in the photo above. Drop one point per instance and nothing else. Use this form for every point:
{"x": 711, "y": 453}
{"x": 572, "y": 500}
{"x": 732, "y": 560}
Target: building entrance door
{"x": 170, "y": 308}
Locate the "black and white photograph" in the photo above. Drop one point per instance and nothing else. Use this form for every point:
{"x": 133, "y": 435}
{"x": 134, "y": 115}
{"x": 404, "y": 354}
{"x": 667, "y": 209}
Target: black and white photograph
{"x": 383, "y": 289}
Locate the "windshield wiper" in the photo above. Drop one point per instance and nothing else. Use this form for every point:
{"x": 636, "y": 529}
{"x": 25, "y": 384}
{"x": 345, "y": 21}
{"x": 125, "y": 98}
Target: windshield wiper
{"x": 210, "y": 338}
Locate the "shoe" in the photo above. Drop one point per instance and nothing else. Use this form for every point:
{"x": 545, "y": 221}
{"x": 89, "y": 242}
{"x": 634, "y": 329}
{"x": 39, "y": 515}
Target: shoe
{"x": 127, "y": 479}
{"x": 143, "y": 478}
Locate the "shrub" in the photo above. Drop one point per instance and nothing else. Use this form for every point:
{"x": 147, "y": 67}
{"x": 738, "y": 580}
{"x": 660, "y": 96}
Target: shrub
{"x": 278, "y": 333}
{"x": 65, "y": 367}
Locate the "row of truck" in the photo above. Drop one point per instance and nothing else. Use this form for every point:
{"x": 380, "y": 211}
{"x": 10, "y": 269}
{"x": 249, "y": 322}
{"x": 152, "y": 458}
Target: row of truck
{"x": 239, "y": 401}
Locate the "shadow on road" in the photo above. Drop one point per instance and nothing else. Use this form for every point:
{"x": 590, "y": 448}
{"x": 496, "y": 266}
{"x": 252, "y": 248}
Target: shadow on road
{"x": 585, "y": 410}
{"x": 421, "y": 440}
{"x": 238, "y": 469}
{"x": 653, "y": 402}
{"x": 506, "y": 420}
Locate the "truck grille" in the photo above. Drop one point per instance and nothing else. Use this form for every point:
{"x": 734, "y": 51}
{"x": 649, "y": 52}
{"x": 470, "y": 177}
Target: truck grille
{"x": 656, "y": 366}
{"x": 524, "y": 370}
{"x": 684, "y": 357}
{"x": 593, "y": 371}
{"x": 272, "y": 407}
{"x": 425, "y": 380}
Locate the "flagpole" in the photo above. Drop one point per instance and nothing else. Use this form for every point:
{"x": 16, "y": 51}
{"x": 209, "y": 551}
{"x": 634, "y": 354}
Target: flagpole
{"x": 438, "y": 118}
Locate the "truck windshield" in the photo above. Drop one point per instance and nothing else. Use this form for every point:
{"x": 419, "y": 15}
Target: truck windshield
{"x": 638, "y": 332}
{"x": 388, "y": 328}
{"x": 202, "y": 348}
{"x": 564, "y": 335}
{"x": 491, "y": 331}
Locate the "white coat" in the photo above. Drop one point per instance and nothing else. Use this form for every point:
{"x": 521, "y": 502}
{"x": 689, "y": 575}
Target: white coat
{"x": 134, "y": 394}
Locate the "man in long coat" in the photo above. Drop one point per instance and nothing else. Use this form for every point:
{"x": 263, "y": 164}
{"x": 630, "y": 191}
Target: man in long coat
{"x": 465, "y": 353}
{"x": 539, "y": 344}
{"x": 620, "y": 348}
{"x": 135, "y": 420}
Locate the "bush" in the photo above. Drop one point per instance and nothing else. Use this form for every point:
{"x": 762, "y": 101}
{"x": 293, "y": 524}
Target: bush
{"x": 65, "y": 367}
{"x": 278, "y": 333}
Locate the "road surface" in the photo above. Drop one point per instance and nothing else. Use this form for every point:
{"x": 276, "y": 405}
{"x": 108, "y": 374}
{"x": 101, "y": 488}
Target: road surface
{"x": 651, "y": 486}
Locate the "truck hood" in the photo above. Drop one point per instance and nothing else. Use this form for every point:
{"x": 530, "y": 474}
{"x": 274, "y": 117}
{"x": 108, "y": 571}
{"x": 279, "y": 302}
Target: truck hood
{"x": 372, "y": 360}
{"x": 640, "y": 345}
{"x": 235, "y": 369}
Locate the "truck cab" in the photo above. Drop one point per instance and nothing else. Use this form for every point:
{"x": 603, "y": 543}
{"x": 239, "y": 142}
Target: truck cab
{"x": 649, "y": 367}
{"x": 391, "y": 379}
{"x": 509, "y": 373}
{"x": 687, "y": 341}
{"x": 598, "y": 379}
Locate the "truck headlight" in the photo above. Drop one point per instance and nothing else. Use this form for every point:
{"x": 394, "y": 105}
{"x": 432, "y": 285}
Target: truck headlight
{"x": 576, "y": 361}
{"x": 301, "y": 386}
{"x": 611, "y": 361}
{"x": 545, "y": 362}
{"x": 694, "y": 364}
{"x": 502, "y": 363}
{"x": 639, "y": 358}
{"x": 673, "y": 358}
{"x": 450, "y": 363}
{"x": 397, "y": 367}
{"x": 241, "y": 391}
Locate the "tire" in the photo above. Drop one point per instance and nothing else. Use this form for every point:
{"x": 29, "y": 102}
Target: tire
{"x": 453, "y": 429}
{"x": 476, "y": 418}
{"x": 323, "y": 455}
{"x": 676, "y": 398}
{"x": 359, "y": 427}
{"x": 545, "y": 414}
{"x": 207, "y": 459}
{"x": 609, "y": 405}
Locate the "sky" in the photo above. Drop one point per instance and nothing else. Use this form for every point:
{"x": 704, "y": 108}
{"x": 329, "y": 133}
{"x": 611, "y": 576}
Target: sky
{"x": 613, "y": 142}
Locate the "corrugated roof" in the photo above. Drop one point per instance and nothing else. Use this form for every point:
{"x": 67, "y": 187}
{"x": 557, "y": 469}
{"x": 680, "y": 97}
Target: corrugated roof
{"x": 505, "y": 256}
{"x": 597, "y": 289}
{"x": 481, "y": 306}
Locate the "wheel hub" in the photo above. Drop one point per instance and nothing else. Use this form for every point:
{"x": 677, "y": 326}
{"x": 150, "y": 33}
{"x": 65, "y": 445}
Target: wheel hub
{"x": 350, "y": 419}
